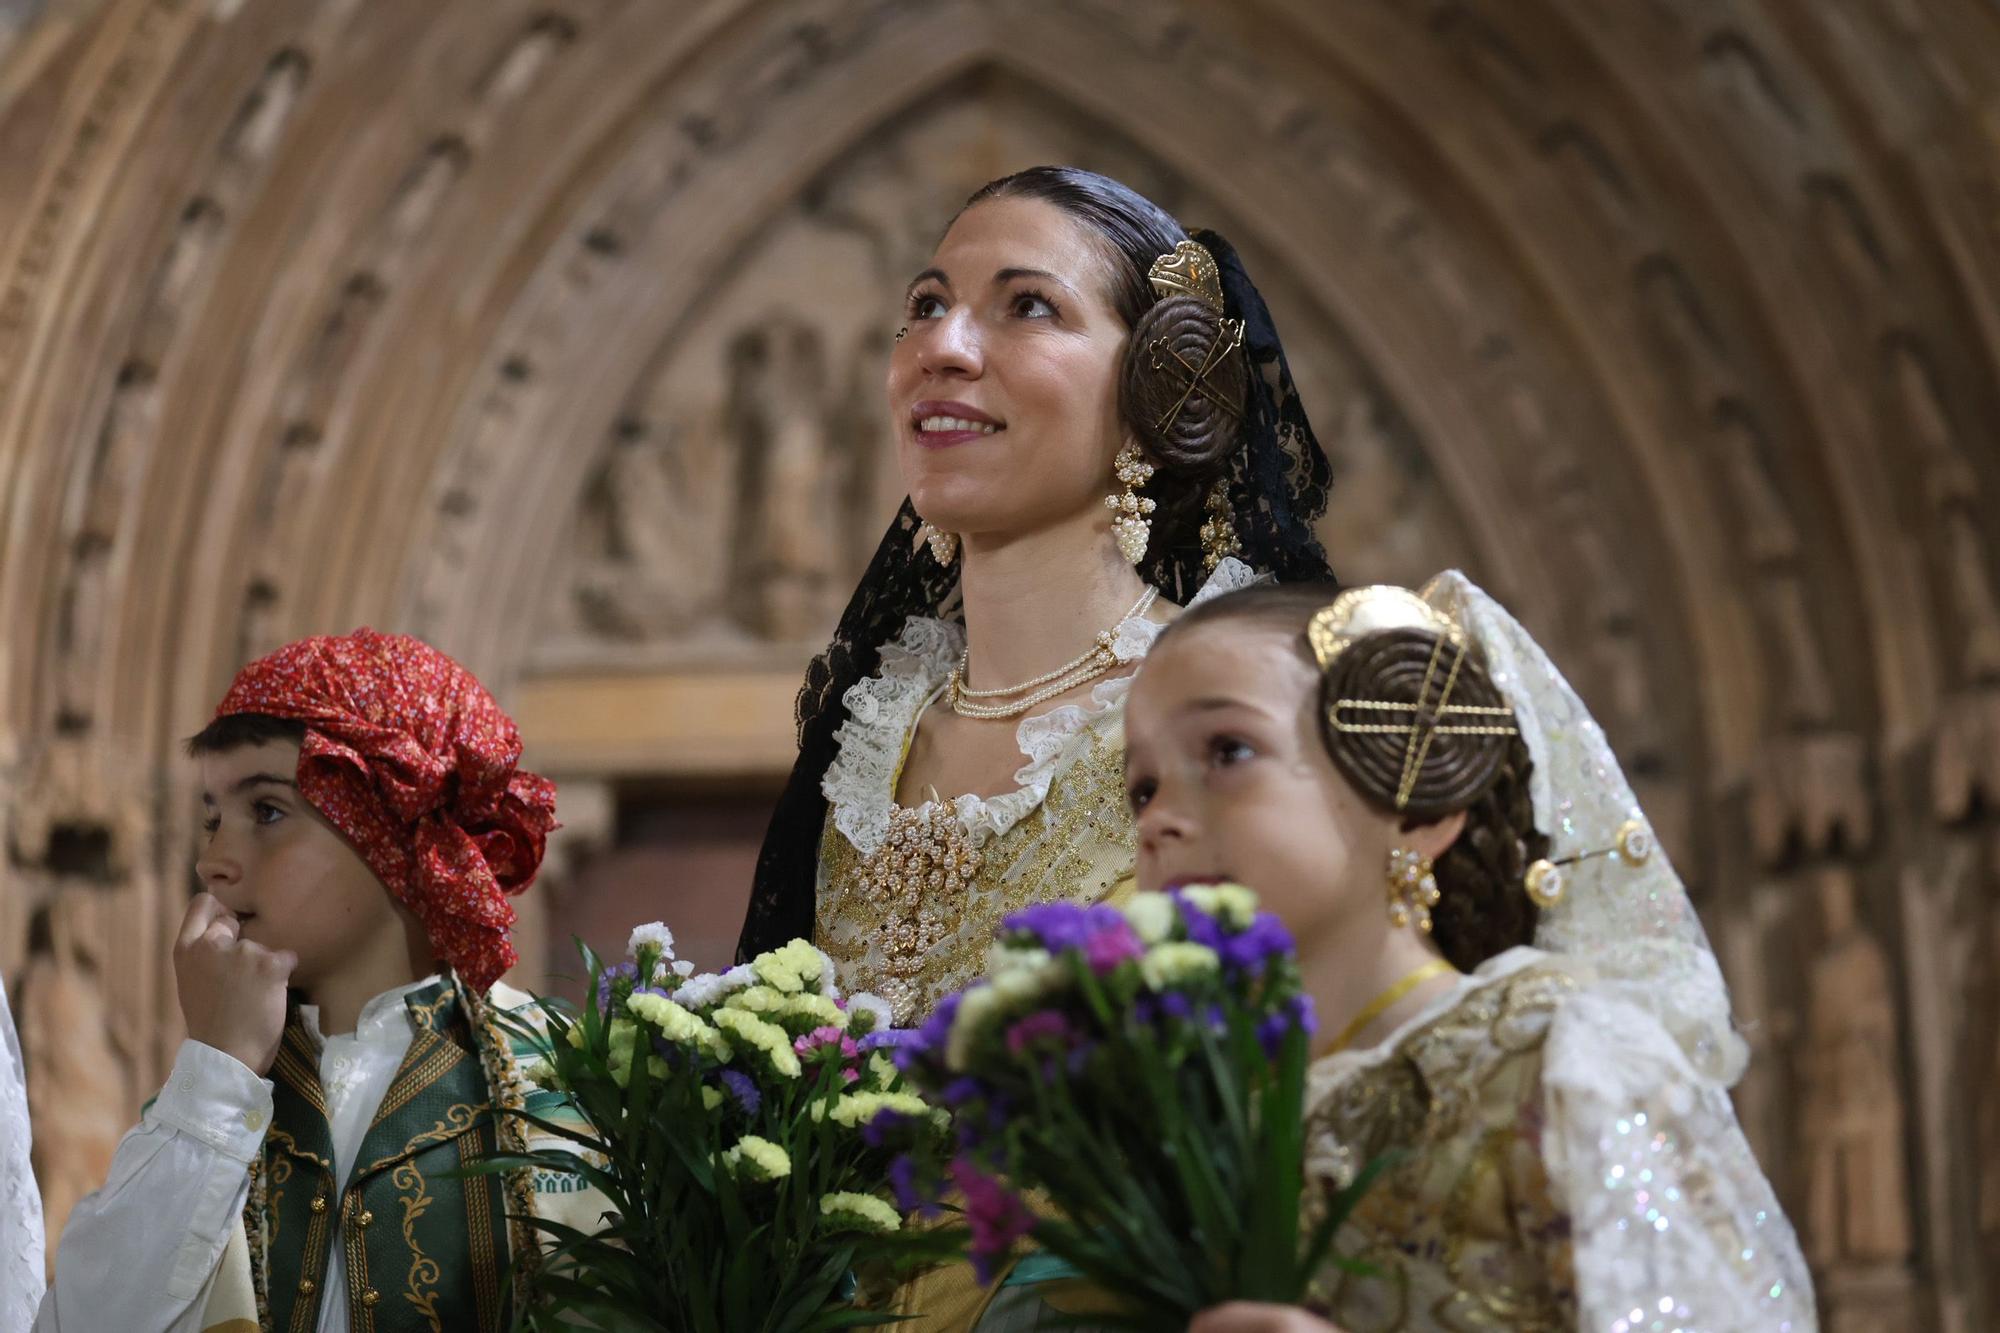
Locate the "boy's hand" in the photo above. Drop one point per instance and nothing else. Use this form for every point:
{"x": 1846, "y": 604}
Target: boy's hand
{"x": 1253, "y": 1317}
{"x": 232, "y": 990}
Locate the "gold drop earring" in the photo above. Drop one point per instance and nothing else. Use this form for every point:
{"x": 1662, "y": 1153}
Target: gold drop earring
{"x": 1129, "y": 524}
{"x": 1413, "y": 889}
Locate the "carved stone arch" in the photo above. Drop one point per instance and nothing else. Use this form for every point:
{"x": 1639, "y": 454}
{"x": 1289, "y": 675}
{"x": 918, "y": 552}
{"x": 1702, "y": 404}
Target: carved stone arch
{"x": 1676, "y": 322}
{"x": 1269, "y": 228}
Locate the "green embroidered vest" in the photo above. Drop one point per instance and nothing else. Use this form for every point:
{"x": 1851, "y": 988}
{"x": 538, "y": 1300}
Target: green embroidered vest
{"x": 425, "y": 1253}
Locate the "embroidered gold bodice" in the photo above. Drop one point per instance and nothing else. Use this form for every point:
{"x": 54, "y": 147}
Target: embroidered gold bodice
{"x": 899, "y": 924}
{"x": 1465, "y": 1232}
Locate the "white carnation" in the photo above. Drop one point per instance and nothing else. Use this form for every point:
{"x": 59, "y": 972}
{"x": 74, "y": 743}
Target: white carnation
{"x": 653, "y": 934}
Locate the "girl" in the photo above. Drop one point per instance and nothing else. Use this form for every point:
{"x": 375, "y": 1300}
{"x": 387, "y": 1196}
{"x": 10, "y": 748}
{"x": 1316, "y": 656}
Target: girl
{"x": 1512, "y": 986}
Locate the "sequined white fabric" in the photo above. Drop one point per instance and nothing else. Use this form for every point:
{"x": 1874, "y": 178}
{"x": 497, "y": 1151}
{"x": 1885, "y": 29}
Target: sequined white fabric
{"x": 882, "y": 711}
{"x": 21, "y": 1240}
{"x": 1674, "y": 1224}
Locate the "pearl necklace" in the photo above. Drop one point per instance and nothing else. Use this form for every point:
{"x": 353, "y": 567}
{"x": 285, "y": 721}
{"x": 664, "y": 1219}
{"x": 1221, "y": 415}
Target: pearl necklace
{"x": 1092, "y": 663}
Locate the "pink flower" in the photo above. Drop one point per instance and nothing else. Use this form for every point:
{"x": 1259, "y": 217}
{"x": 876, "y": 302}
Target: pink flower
{"x": 1111, "y": 945}
{"x": 996, "y": 1215}
{"x": 821, "y": 1038}
{"x": 1043, "y": 1025}
{"x": 827, "y": 1036}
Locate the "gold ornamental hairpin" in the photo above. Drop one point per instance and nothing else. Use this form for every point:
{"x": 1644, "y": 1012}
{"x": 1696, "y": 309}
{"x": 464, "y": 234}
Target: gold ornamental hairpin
{"x": 1548, "y": 880}
{"x": 1188, "y": 270}
{"x": 1368, "y": 610}
{"x": 1362, "y": 611}
{"x": 1192, "y": 376}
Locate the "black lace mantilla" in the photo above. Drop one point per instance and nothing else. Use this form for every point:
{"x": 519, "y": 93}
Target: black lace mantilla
{"x": 1277, "y": 479}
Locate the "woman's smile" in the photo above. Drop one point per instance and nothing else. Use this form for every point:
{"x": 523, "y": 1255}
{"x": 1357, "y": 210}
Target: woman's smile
{"x": 940, "y": 424}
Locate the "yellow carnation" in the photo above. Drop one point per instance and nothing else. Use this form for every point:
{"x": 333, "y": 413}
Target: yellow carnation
{"x": 757, "y": 1160}
{"x": 861, "y": 1212}
{"x": 1231, "y": 904}
{"x": 1170, "y": 964}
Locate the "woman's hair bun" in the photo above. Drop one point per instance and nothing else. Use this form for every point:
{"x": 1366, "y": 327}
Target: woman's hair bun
{"x": 1182, "y": 429}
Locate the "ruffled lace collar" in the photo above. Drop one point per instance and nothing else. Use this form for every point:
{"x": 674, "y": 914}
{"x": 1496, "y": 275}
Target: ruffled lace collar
{"x": 882, "y": 712}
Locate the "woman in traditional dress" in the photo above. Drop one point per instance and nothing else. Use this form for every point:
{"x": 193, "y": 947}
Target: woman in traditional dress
{"x": 1097, "y": 426}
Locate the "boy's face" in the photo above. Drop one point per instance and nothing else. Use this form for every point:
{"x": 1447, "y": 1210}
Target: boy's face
{"x": 1228, "y": 780}
{"x": 289, "y": 876}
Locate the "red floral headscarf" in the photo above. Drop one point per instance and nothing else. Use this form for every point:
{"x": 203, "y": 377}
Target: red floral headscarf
{"x": 409, "y": 756}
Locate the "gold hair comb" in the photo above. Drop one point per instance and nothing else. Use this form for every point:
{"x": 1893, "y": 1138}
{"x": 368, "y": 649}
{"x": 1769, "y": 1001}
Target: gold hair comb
{"x": 1189, "y": 270}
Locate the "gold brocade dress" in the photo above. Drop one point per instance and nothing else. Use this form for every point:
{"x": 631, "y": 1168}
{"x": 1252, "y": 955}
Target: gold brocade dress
{"x": 908, "y": 899}
{"x": 1564, "y": 1168}
{"x": 1465, "y": 1232}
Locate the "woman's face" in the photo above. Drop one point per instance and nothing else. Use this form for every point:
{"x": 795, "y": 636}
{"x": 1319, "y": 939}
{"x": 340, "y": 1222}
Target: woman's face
{"x": 1005, "y": 390}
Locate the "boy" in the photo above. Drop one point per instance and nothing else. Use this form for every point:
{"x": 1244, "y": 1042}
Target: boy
{"x": 364, "y": 824}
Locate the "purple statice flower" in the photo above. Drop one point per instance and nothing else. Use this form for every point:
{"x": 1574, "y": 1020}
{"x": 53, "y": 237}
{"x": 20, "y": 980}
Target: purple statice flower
{"x": 667, "y": 1051}
{"x": 882, "y": 1038}
{"x": 997, "y": 1216}
{"x": 1201, "y": 927}
{"x": 973, "y": 1128}
{"x": 1295, "y": 1013}
{"x": 960, "y": 1091}
{"x": 742, "y": 1090}
{"x": 1114, "y": 944}
{"x": 615, "y": 983}
{"x": 1055, "y": 926}
{"x": 1265, "y": 939}
{"x": 903, "y": 1179}
{"x": 884, "y": 1128}
{"x": 1042, "y": 1025}
{"x": 930, "y": 1039}
{"x": 1065, "y": 927}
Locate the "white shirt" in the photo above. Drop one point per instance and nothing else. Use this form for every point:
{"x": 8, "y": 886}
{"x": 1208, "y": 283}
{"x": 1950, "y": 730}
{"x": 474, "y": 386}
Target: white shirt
{"x": 179, "y": 1181}
{"x": 20, "y": 1199}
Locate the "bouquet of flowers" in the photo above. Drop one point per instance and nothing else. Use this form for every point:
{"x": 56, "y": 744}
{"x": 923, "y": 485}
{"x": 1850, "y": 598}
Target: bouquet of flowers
{"x": 740, "y": 1124}
{"x": 1143, "y": 1071}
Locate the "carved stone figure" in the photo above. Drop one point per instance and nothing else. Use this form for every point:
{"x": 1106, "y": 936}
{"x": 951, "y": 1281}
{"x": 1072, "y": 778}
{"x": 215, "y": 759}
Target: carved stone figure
{"x": 79, "y": 1094}
{"x": 789, "y": 527}
{"x": 1851, "y": 1126}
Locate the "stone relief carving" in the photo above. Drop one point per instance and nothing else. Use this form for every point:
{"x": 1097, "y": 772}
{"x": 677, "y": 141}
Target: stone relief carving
{"x": 753, "y": 468}
{"x": 1851, "y": 1105}
{"x": 78, "y": 1065}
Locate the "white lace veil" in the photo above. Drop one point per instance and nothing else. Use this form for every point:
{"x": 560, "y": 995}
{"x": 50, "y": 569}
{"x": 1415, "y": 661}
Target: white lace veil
{"x": 1632, "y": 923}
